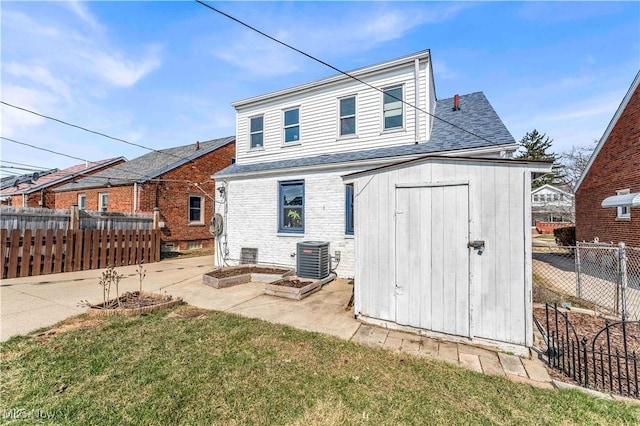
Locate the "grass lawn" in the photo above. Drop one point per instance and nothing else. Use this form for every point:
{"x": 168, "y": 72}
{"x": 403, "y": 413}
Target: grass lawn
{"x": 187, "y": 366}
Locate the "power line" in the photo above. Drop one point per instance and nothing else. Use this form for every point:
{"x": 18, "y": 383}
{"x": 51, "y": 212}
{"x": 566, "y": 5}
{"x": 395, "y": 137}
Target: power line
{"x": 45, "y": 149}
{"x": 91, "y": 131}
{"x": 340, "y": 71}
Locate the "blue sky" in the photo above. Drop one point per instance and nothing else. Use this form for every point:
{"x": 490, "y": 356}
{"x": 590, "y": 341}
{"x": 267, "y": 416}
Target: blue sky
{"x": 163, "y": 74}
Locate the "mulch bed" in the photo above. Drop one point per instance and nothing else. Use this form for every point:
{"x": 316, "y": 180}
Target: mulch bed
{"x": 132, "y": 301}
{"x": 292, "y": 283}
{"x": 226, "y": 273}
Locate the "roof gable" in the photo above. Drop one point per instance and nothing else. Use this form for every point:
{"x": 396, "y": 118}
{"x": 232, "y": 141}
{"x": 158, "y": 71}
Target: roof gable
{"x": 623, "y": 105}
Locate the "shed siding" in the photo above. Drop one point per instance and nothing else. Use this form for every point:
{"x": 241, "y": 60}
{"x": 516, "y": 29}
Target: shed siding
{"x": 499, "y": 291}
{"x": 253, "y": 222}
{"x": 319, "y": 118}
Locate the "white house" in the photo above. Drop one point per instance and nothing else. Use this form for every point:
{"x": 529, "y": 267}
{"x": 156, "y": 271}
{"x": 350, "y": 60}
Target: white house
{"x": 444, "y": 247}
{"x": 550, "y": 203}
{"x": 293, "y": 146}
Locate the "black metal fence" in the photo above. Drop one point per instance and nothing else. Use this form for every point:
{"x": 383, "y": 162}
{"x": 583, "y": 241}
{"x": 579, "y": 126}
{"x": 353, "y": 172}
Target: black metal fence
{"x": 608, "y": 361}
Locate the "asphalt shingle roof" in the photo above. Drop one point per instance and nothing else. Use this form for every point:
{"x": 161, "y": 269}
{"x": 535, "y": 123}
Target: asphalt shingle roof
{"x": 148, "y": 166}
{"x": 475, "y": 115}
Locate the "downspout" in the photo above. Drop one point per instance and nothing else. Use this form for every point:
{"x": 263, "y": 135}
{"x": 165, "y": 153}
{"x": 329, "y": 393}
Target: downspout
{"x": 416, "y": 100}
{"x": 135, "y": 197}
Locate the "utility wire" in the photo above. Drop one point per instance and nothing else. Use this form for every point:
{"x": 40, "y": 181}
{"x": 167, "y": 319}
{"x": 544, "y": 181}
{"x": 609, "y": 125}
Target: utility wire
{"x": 340, "y": 71}
{"x": 91, "y": 131}
{"x": 45, "y": 149}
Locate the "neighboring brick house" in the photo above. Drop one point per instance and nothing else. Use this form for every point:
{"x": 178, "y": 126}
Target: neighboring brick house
{"x": 608, "y": 192}
{"x": 38, "y": 190}
{"x": 175, "y": 180}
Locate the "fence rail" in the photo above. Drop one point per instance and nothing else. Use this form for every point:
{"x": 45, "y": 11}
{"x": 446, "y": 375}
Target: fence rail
{"x": 602, "y": 276}
{"x": 26, "y": 253}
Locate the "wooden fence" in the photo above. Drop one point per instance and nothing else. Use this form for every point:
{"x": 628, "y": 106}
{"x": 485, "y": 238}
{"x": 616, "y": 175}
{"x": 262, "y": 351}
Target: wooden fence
{"x": 26, "y": 253}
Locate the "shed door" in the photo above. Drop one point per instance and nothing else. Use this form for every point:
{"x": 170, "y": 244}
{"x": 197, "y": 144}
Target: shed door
{"x": 432, "y": 258}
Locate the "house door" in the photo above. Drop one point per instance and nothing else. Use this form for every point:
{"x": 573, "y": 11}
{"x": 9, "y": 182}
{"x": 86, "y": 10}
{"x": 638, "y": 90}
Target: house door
{"x": 432, "y": 257}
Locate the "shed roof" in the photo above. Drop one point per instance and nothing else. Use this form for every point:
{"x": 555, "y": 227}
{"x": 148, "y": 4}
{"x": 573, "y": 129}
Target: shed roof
{"x": 148, "y": 166}
{"x": 475, "y": 115}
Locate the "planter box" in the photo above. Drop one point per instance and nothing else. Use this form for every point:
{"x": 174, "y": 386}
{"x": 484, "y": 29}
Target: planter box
{"x": 296, "y": 293}
{"x": 164, "y": 302}
{"x": 234, "y": 275}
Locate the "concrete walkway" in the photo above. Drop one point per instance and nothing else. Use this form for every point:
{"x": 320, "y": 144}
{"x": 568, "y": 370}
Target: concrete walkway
{"x": 28, "y": 304}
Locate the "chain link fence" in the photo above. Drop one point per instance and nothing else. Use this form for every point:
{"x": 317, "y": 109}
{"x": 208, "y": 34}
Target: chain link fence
{"x": 598, "y": 276}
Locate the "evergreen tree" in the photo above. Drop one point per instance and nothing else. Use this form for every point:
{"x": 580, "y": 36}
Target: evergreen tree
{"x": 534, "y": 147}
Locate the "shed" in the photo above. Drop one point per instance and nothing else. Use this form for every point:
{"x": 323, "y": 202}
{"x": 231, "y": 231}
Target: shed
{"x": 443, "y": 247}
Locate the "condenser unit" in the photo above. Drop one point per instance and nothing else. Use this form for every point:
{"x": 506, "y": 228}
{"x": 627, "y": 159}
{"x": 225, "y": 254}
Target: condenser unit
{"x": 312, "y": 259}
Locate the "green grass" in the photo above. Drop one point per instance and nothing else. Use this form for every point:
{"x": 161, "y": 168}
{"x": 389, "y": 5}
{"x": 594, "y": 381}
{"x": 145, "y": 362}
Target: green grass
{"x": 201, "y": 367}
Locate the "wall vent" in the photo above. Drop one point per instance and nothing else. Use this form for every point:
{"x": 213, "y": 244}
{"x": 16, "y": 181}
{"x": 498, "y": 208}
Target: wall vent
{"x": 312, "y": 259}
{"x": 248, "y": 256}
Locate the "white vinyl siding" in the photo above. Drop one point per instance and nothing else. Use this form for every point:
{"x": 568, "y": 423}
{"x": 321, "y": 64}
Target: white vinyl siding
{"x": 319, "y": 115}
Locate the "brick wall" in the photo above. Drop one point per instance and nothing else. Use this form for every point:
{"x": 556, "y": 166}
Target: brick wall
{"x": 252, "y": 218}
{"x": 616, "y": 167}
{"x": 171, "y": 196}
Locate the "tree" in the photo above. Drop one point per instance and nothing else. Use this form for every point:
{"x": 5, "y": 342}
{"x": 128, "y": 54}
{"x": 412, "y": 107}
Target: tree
{"x": 574, "y": 161}
{"x": 535, "y": 146}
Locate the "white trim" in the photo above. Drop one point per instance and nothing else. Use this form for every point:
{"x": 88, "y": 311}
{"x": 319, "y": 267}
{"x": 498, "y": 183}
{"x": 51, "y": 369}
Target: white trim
{"x": 373, "y": 163}
{"x": 612, "y": 124}
{"x": 335, "y": 79}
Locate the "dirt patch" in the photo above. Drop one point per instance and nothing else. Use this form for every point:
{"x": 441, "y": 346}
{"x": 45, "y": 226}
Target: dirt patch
{"x": 292, "y": 283}
{"x": 226, "y": 273}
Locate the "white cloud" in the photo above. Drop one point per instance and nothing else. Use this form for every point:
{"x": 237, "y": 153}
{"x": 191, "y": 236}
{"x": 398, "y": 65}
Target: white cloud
{"x": 39, "y": 75}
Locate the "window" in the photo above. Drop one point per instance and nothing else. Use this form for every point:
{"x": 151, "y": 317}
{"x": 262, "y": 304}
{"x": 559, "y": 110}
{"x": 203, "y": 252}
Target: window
{"x": 292, "y": 125}
{"x": 348, "y": 116}
{"x": 349, "y": 210}
{"x": 82, "y": 201}
{"x": 257, "y": 132}
{"x": 195, "y": 209}
{"x": 624, "y": 212}
{"x": 103, "y": 201}
{"x": 291, "y": 207}
{"x": 392, "y": 108}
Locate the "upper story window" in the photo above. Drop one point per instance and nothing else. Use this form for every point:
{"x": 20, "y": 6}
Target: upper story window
{"x": 292, "y": 125}
{"x": 82, "y": 201}
{"x": 348, "y": 116}
{"x": 624, "y": 212}
{"x": 291, "y": 207}
{"x": 196, "y": 209}
{"x": 103, "y": 201}
{"x": 349, "y": 210}
{"x": 257, "y": 132}
{"x": 392, "y": 108}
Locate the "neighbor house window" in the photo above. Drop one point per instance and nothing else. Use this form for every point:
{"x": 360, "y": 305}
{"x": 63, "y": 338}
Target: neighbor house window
{"x": 292, "y": 125}
{"x": 291, "y": 207}
{"x": 349, "y": 210}
{"x": 392, "y": 108}
{"x": 257, "y": 132}
{"x": 82, "y": 201}
{"x": 348, "y": 116}
{"x": 624, "y": 212}
{"x": 103, "y": 201}
{"x": 196, "y": 209}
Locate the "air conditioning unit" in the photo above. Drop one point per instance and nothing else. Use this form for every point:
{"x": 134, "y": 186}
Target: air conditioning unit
{"x": 312, "y": 259}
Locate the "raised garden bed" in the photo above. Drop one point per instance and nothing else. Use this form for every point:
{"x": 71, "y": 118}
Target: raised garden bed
{"x": 234, "y": 275}
{"x": 134, "y": 303}
{"x": 294, "y": 287}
